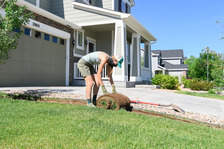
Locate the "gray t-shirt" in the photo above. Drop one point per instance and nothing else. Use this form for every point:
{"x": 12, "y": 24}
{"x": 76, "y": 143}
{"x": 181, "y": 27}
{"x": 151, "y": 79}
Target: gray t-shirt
{"x": 92, "y": 58}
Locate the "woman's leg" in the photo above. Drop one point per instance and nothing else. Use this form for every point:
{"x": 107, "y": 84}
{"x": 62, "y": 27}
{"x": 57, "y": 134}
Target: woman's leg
{"x": 95, "y": 88}
{"x": 89, "y": 84}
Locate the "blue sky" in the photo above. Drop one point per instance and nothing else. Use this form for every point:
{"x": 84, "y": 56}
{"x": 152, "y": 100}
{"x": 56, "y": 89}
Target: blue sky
{"x": 183, "y": 24}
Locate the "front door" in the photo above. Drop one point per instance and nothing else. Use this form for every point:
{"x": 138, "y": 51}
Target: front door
{"x": 91, "y": 47}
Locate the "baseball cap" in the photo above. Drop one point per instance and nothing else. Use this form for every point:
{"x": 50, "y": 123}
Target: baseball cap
{"x": 119, "y": 59}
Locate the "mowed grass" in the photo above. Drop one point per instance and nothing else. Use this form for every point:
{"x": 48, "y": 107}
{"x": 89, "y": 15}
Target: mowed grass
{"x": 214, "y": 96}
{"x": 27, "y": 124}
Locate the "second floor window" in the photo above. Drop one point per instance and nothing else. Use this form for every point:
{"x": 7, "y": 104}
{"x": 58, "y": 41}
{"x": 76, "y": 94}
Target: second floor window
{"x": 123, "y": 6}
{"x": 88, "y": 1}
{"x": 80, "y": 39}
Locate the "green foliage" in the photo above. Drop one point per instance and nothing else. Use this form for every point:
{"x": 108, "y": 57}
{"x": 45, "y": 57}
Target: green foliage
{"x": 191, "y": 62}
{"x": 217, "y": 72}
{"x": 15, "y": 17}
{"x": 200, "y": 85}
{"x": 166, "y": 81}
{"x": 212, "y": 91}
{"x": 214, "y": 96}
{"x": 25, "y": 96}
{"x": 197, "y": 67}
{"x": 185, "y": 82}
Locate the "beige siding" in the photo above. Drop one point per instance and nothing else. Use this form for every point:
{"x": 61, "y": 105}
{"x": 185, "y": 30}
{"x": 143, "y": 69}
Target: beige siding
{"x": 107, "y": 4}
{"x": 104, "y": 40}
{"x": 81, "y": 17}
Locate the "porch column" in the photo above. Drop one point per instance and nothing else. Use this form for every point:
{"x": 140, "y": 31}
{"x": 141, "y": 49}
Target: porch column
{"x": 135, "y": 58}
{"x": 147, "y": 57}
{"x": 120, "y": 40}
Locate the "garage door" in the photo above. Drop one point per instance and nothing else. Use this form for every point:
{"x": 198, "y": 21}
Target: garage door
{"x": 39, "y": 60}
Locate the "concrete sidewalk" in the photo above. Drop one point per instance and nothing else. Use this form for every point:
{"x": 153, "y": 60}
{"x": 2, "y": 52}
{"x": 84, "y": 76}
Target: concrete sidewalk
{"x": 201, "y": 105}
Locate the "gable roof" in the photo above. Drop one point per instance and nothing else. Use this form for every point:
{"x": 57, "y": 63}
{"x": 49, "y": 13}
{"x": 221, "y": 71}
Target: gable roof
{"x": 169, "y": 53}
{"x": 170, "y": 66}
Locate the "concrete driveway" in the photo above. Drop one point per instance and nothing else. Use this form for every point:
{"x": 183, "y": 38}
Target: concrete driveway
{"x": 201, "y": 105}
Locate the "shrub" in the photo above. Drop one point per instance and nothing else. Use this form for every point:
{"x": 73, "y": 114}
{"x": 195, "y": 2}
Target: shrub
{"x": 200, "y": 85}
{"x": 166, "y": 81}
{"x": 212, "y": 91}
{"x": 185, "y": 82}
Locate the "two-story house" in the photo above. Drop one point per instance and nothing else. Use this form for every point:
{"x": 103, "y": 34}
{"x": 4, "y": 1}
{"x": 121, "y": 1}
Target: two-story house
{"x": 102, "y": 25}
{"x": 169, "y": 62}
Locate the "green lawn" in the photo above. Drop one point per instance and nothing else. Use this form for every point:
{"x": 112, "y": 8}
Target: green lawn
{"x": 28, "y": 124}
{"x": 215, "y": 96}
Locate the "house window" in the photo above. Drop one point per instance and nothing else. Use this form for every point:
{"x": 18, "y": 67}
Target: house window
{"x": 55, "y": 39}
{"x": 80, "y": 39}
{"x": 87, "y": 1}
{"x": 119, "y": 5}
{"x": 123, "y": 6}
{"x": 27, "y": 31}
{"x": 37, "y": 34}
{"x": 47, "y": 37}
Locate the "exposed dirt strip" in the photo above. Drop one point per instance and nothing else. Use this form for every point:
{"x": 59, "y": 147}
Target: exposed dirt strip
{"x": 144, "y": 112}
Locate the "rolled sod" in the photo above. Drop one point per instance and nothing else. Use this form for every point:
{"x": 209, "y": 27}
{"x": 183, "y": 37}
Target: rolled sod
{"x": 113, "y": 102}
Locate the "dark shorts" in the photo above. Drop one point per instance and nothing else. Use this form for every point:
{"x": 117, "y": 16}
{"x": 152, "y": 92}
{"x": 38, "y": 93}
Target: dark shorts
{"x": 85, "y": 68}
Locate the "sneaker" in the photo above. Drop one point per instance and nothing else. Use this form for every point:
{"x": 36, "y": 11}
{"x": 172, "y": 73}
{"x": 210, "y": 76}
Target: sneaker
{"x": 91, "y": 105}
{"x": 94, "y": 103}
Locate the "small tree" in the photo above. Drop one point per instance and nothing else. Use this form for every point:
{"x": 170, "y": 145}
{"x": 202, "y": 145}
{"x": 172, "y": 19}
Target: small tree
{"x": 15, "y": 17}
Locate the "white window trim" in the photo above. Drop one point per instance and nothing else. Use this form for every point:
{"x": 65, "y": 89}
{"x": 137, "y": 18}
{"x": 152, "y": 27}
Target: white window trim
{"x": 77, "y": 45}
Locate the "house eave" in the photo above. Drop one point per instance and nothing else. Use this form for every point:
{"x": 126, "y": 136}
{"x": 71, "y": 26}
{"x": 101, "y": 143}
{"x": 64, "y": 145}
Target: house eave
{"x": 171, "y": 57}
{"x": 137, "y": 26}
{"x": 47, "y": 14}
{"x": 182, "y": 69}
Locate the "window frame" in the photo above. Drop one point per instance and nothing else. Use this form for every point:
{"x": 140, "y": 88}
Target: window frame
{"x": 77, "y": 39}
{"x": 54, "y": 38}
{"x": 30, "y": 31}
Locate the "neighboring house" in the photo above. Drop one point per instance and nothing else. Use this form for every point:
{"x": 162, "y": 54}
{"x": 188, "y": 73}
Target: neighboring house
{"x": 169, "y": 62}
{"x": 101, "y": 25}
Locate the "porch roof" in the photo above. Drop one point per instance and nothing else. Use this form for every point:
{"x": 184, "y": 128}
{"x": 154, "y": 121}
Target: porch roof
{"x": 131, "y": 21}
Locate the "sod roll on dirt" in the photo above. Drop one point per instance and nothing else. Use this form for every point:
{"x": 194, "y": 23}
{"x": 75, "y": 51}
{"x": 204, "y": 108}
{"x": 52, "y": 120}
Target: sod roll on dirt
{"x": 114, "y": 102}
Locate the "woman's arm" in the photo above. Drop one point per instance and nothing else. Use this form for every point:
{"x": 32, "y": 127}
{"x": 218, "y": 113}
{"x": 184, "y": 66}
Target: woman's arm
{"x": 109, "y": 74}
{"x": 103, "y": 59}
